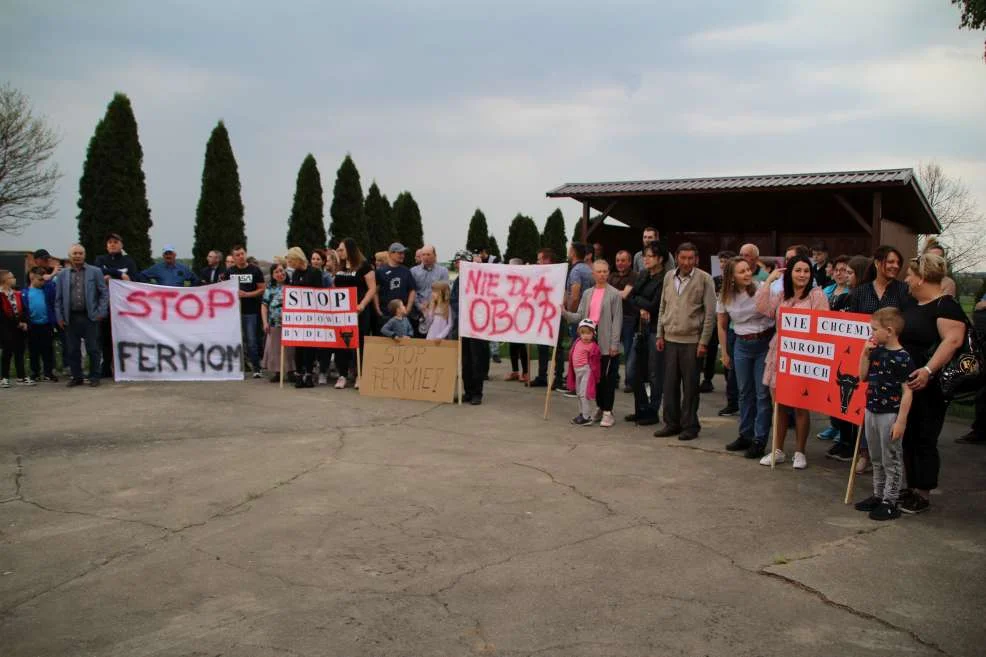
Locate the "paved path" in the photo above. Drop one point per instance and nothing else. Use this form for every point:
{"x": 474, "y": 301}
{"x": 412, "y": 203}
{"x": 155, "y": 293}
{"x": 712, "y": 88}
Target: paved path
{"x": 240, "y": 520}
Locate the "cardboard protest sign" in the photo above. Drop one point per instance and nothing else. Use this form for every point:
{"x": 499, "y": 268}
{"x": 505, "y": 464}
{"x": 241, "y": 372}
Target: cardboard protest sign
{"x": 319, "y": 317}
{"x": 818, "y": 361}
{"x": 511, "y": 303}
{"x": 176, "y": 334}
{"x": 410, "y": 369}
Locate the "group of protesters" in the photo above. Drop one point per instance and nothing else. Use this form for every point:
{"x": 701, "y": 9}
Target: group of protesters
{"x": 665, "y": 316}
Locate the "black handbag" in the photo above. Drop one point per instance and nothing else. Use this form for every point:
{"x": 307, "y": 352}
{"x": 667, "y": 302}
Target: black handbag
{"x": 964, "y": 373}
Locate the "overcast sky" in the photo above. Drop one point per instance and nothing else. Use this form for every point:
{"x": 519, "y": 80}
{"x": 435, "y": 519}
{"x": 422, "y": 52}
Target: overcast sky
{"x": 491, "y": 106}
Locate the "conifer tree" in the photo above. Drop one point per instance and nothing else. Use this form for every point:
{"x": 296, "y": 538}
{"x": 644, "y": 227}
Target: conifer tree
{"x": 495, "y": 249}
{"x": 347, "y": 206}
{"x": 553, "y": 236}
{"x": 306, "y": 227}
{"x": 478, "y": 236}
{"x": 523, "y": 239}
{"x": 219, "y": 213}
{"x": 112, "y": 189}
{"x": 379, "y": 223}
{"x": 407, "y": 223}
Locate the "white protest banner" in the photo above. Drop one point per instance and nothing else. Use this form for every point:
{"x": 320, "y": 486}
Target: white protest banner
{"x": 511, "y": 303}
{"x": 319, "y": 317}
{"x": 176, "y": 333}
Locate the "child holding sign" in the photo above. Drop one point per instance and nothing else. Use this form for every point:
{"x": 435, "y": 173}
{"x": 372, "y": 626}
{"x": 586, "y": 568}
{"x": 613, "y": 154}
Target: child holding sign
{"x": 584, "y": 369}
{"x": 886, "y": 366}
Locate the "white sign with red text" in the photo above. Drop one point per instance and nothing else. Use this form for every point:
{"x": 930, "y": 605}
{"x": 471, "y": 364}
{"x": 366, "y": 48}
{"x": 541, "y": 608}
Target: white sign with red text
{"x": 511, "y": 303}
{"x": 176, "y": 333}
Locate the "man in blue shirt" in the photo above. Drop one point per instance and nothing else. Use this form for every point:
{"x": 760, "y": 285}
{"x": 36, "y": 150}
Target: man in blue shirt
{"x": 394, "y": 280}
{"x": 170, "y": 272}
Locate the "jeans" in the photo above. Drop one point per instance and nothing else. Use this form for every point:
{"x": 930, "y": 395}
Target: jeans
{"x": 41, "y": 341}
{"x": 650, "y": 372}
{"x": 749, "y": 357}
{"x": 732, "y": 385}
{"x": 626, "y": 341}
{"x": 80, "y": 328}
{"x": 248, "y": 324}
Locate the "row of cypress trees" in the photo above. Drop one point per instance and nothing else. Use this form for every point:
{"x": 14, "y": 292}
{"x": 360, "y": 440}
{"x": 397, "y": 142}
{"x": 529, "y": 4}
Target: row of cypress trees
{"x": 523, "y": 238}
{"x": 113, "y": 198}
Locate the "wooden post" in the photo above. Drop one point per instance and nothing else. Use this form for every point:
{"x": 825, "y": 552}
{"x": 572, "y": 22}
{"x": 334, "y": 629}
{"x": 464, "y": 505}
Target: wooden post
{"x": 459, "y": 382}
{"x": 551, "y": 381}
{"x": 530, "y": 366}
{"x": 359, "y": 366}
{"x": 773, "y": 435}
{"x": 281, "y": 385}
{"x": 852, "y": 468}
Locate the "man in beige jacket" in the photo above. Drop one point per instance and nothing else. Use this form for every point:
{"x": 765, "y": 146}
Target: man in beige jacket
{"x": 684, "y": 328}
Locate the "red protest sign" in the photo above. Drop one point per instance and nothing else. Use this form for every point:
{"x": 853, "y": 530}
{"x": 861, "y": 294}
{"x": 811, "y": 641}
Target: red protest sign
{"x": 319, "y": 317}
{"x": 818, "y": 362}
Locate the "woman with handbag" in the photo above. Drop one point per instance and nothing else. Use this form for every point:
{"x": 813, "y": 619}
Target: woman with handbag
{"x": 934, "y": 331}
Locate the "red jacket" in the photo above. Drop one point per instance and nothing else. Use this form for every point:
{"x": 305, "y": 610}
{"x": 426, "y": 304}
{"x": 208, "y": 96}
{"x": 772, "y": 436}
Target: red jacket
{"x": 8, "y": 312}
{"x": 595, "y": 370}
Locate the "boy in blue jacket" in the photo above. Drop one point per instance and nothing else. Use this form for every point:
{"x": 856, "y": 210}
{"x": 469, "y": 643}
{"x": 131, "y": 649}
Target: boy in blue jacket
{"x": 39, "y": 307}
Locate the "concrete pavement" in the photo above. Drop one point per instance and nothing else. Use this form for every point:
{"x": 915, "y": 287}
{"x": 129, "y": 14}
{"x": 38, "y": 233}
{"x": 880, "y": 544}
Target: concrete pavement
{"x": 240, "y": 520}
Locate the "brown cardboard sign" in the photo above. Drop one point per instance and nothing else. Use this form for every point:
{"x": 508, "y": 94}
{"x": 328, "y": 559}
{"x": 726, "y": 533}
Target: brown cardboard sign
{"x": 423, "y": 370}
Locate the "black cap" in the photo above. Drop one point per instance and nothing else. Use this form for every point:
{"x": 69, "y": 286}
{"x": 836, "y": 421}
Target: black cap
{"x": 113, "y": 236}
{"x": 41, "y": 254}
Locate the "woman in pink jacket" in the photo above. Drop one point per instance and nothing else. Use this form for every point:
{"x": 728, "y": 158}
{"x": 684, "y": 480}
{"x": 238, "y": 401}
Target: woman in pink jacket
{"x": 798, "y": 292}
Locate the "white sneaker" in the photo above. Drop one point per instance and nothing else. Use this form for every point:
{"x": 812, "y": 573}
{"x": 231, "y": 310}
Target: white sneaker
{"x": 323, "y": 379}
{"x": 4, "y": 383}
{"x": 340, "y": 383}
{"x": 778, "y": 458}
{"x": 607, "y": 420}
{"x": 26, "y": 382}
{"x": 800, "y": 462}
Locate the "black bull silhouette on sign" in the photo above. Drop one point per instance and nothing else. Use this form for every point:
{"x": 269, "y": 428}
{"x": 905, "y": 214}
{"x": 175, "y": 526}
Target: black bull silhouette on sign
{"x": 848, "y": 384}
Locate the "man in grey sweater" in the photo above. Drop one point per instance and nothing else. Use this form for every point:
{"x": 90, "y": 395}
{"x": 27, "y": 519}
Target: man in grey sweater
{"x": 684, "y": 328}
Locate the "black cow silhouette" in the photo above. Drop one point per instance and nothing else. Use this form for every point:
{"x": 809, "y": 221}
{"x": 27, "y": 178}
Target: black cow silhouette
{"x": 847, "y": 387}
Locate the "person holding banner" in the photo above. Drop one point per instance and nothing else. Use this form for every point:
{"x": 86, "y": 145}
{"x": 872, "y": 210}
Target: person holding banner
{"x": 753, "y": 333}
{"x": 270, "y": 313}
{"x": 603, "y": 305}
{"x": 934, "y": 329}
{"x": 797, "y": 293}
{"x": 354, "y": 271}
{"x": 303, "y": 276}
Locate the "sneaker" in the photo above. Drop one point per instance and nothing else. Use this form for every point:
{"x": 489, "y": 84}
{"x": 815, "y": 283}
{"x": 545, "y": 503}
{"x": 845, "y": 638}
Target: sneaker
{"x": 863, "y": 464}
{"x": 885, "y": 511}
{"x": 800, "y": 462}
{"x": 728, "y": 410}
{"x": 49, "y": 378}
{"x": 840, "y": 452}
{"x": 778, "y": 458}
{"x": 739, "y": 444}
{"x": 608, "y": 420}
{"x": 309, "y": 381}
{"x": 569, "y": 393}
{"x": 4, "y": 383}
{"x": 258, "y": 374}
{"x": 340, "y": 383}
{"x": 28, "y": 381}
{"x": 706, "y": 386}
{"x": 323, "y": 379}
{"x": 755, "y": 451}
{"x": 868, "y": 504}
{"x": 828, "y": 433}
{"x": 513, "y": 376}
{"x": 299, "y": 381}
{"x": 914, "y": 505}
{"x": 581, "y": 421}
{"x": 71, "y": 383}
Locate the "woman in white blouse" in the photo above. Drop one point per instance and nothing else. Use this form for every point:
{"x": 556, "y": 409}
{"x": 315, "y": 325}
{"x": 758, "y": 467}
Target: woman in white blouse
{"x": 753, "y": 332}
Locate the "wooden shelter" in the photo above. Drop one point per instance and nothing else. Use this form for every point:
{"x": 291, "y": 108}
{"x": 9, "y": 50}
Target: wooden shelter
{"x": 851, "y": 211}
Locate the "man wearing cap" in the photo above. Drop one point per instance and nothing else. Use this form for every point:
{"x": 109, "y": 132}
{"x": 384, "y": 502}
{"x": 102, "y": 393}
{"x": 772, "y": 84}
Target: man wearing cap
{"x": 169, "y": 271}
{"x": 114, "y": 264}
{"x": 81, "y": 301}
{"x": 424, "y": 275}
{"x": 51, "y": 265}
{"x": 394, "y": 280}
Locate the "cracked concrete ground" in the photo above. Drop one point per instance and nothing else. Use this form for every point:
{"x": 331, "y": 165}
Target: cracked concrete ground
{"x": 240, "y": 520}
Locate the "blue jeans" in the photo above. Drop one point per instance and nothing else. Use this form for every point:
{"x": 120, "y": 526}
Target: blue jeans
{"x": 644, "y": 404}
{"x": 248, "y": 325}
{"x": 626, "y": 340}
{"x": 749, "y": 357}
{"x": 732, "y": 383}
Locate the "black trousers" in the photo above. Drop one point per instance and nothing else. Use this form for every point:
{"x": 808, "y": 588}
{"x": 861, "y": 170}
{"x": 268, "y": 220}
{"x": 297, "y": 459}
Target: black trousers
{"x": 609, "y": 378}
{"x": 475, "y": 366}
{"x": 519, "y": 360}
{"x": 346, "y": 358}
{"x": 924, "y": 425}
{"x": 681, "y": 374}
{"x": 80, "y": 328}
{"x": 41, "y": 342}
{"x": 979, "y": 424}
{"x": 304, "y": 359}
{"x": 12, "y": 341}
{"x": 106, "y": 338}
